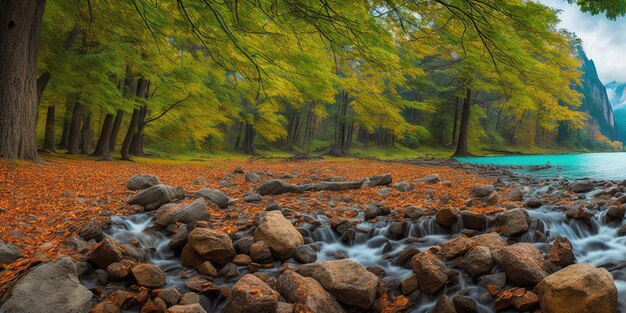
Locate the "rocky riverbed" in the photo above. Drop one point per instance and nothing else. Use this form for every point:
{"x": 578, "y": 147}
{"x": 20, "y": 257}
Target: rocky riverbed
{"x": 549, "y": 246}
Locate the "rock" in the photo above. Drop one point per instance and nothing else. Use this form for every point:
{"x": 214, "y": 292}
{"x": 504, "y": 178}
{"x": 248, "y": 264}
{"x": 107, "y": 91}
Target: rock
{"x": 409, "y": 285}
{"x": 498, "y": 280}
{"x": 214, "y": 196}
{"x": 242, "y": 245}
{"x": 578, "y": 288}
{"x": 278, "y": 233}
{"x": 473, "y": 220}
{"x": 493, "y": 198}
{"x": 260, "y": 252}
{"x": 405, "y": 255}
{"x": 179, "y": 239}
{"x": 252, "y": 177}
{"x": 464, "y": 304}
{"x": 242, "y": 259}
{"x": 430, "y": 270}
{"x": 561, "y": 252}
{"x": 615, "y": 213}
{"x": 622, "y": 231}
{"x": 206, "y": 268}
{"x": 580, "y": 186}
{"x": 383, "y": 193}
{"x": 512, "y": 222}
{"x": 403, "y": 186}
{"x": 49, "y": 287}
{"x": 306, "y": 294}
{"x": 250, "y": 294}
{"x": 188, "y": 308}
{"x": 119, "y": 270}
{"x": 193, "y": 212}
{"x": 142, "y": 181}
{"x": 430, "y": 179}
{"x": 105, "y": 253}
{"x": 478, "y": 261}
{"x": 457, "y": 246}
{"x": 346, "y": 279}
{"x": 525, "y": 302}
{"x": 379, "y": 180}
{"x": 229, "y": 271}
{"x": 493, "y": 241}
{"x": 414, "y": 212}
{"x": 443, "y": 305}
{"x": 533, "y": 203}
{"x": 372, "y": 210}
{"x": 516, "y": 195}
{"x": 148, "y": 275}
{"x": 104, "y": 307}
{"x": 277, "y": 187}
{"x": 447, "y": 217}
{"x": 189, "y": 298}
{"x": 252, "y": 197}
{"x": 284, "y": 307}
{"x": 156, "y": 196}
{"x": 339, "y": 224}
{"x": 305, "y": 254}
{"x": 91, "y": 230}
{"x": 171, "y": 296}
{"x": 522, "y": 263}
{"x": 481, "y": 191}
{"x": 189, "y": 257}
{"x": 398, "y": 230}
{"x": 9, "y": 253}
{"x": 581, "y": 213}
{"x": 212, "y": 245}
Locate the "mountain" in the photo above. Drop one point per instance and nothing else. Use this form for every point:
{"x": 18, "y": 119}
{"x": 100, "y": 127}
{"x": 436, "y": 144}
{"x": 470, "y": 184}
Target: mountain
{"x": 615, "y": 90}
{"x": 596, "y": 100}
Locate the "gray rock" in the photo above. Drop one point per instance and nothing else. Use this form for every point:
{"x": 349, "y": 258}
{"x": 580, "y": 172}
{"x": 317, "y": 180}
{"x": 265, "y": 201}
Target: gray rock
{"x": 50, "y": 287}
{"x": 481, "y": 191}
{"x": 383, "y": 193}
{"x": 170, "y": 295}
{"x": 533, "y": 203}
{"x": 277, "y": 187}
{"x": 580, "y": 186}
{"x": 373, "y": 210}
{"x": 252, "y": 197}
{"x": 252, "y": 177}
{"x": 154, "y": 197}
{"x": 478, "y": 261}
{"x": 9, "y": 253}
{"x": 414, "y": 212}
{"x": 305, "y": 254}
{"x": 214, "y": 196}
{"x": 430, "y": 179}
{"x": 403, "y": 186}
{"x": 473, "y": 220}
{"x": 142, "y": 181}
{"x": 379, "y": 180}
{"x": 512, "y": 222}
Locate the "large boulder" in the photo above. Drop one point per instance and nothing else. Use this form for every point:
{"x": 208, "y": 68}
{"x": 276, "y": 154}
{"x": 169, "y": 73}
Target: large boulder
{"x": 278, "y": 233}
{"x": 522, "y": 263}
{"x": 431, "y": 272}
{"x": 578, "y": 288}
{"x": 277, "y": 187}
{"x": 105, "y": 253}
{"x": 513, "y": 222}
{"x": 447, "y": 217}
{"x": 212, "y": 245}
{"x": 306, "y": 293}
{"x": 148, "y": 275}
{"x": 193, "y": 212}
{"x": 379, "y": 180}
{"x": 481, "y": 191}
{"x": 478, "y": 261}
{"x": 215, "y": 196}
{"x": 580, "y": 186}
{"x": 142, "y": 181}
{"x": 493, "y": 241}
{"x": 50, "y": 287}
{"x": 345, "y": 279}
{"x": 454, "y": 247}
{"x": 251, "y": 294}
{"x": 8, "y": 253}
{"x": 155, "y": 196}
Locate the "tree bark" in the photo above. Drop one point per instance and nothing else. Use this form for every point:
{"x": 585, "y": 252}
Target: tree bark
{"x": 456, "y": 120}
{"x": 20, "y": 24}
{"x": 248, "y": 140}
{"x": 103, "y": 148}
{"x": 48, "y": 138}
{"x": 116, "y": 129}
{"x": 73, "y": 141}
{"x": 125, "y": 150}
{"x": 85, "y": 135}
{"x": 136, "y": 143}
{"x": 466, "y": 111}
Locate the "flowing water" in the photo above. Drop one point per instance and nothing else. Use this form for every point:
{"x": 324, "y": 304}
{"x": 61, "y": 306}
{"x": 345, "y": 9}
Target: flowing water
{"x": 604, "y": 166}
{"x": 597, "y": 243}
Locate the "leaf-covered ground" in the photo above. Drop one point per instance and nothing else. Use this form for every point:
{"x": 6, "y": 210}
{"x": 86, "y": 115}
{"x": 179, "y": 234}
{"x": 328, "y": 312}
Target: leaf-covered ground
{"x": 43, "y": 205}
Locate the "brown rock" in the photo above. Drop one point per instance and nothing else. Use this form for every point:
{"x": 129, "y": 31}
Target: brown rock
{"x": 444, "y": 305}
{"x": 409, "y": 285}
{"x": 278, "y": 233}
{"x": 250, "y": 294}
{"x": 493, "y": 241}
{"x": 108, "y": 251}
{"x": 119, "y": 270}
{"x": 430, "y": 270}
{"x": 522, "y": 263}
{"x": 455, "y": 247}
{"x": 447, "y": 217}
{"x": 260, "y": 252}
{"x": 242, "y": 259}
{"x": 306, "y": 294}
{"x": 189, "y": 308}
{"x": 478, "y": 261}
{"x": 148, "y": 275}
{"x": 206, "y": 268}
{"x": 104, "y": 307}
{"x": 212, "y": 245}
{"x": 513, "y": 222}
{"x": 561, "y": 252}
{"x": 189, "y": 257}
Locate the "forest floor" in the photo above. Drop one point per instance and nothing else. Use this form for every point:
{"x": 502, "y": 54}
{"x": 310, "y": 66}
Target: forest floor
{"x": 44, "y": 205}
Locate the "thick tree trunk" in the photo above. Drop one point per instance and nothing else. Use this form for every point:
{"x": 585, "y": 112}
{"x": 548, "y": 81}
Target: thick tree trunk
{"x": 67, "y": 117}
{"x": 136, "y": 144}
{"x": 466, "y": 111}
{"x": 343, "y": 132}
{"x": 116, "y": 129}
{"x": 73, "y": 141}
{"x": 125, "y": 150}
{"x": 48, "y": 138}
{"x": 20, "y": 23}
{"x": 85, "y": 135}
{"x": 516, "y": 127}
{"x": 456, "y": 120}
{"x": 103, "y": 149}
{"x": 248, "y": 140}
{"x": 238, "y": 138}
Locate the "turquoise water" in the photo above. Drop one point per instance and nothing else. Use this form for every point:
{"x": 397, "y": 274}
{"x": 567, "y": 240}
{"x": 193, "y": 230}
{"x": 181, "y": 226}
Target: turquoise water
{"x": 607, "y": 166}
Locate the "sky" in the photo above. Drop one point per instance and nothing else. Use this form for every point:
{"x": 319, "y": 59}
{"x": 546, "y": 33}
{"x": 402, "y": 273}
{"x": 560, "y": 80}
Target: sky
{"x": 604, "y": 40}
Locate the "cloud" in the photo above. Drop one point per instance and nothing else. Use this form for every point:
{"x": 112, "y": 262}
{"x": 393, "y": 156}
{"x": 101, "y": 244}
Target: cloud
{"x": 604, "y": 40}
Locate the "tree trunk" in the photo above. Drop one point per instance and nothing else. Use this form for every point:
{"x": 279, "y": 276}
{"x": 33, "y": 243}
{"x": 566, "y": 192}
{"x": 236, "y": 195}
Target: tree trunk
{"x": 456, "y": 120}
{"x": 125, "y": 151}
{"x": 42, "y": 82}
{"x": 238, "y": 139}
{"x": 85, "y": 135}
{"x": 516, "y": 127}
{"x": 116, "y": 129}
{"x": 248, "y": 140}
{"x": 73, "y": 141}
{"x": 136, "y": 143}
{"x": 466, "y": 111}
{"x": 48, "y": 138}
{"x": 20, "y": 23}
{"x": 343, "y": 135}
{"x": 103, "y": 148}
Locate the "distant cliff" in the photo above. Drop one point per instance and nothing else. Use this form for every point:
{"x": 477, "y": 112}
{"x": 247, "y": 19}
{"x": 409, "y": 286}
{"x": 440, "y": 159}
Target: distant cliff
{"x": 595, "y": 99}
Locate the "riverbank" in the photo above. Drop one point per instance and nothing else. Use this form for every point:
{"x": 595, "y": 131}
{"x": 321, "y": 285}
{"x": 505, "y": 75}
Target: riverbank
{"x": 416, "y": 235}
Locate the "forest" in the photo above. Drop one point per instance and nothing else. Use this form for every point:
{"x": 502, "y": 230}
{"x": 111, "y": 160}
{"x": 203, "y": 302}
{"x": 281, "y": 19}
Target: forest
{"x": 300, "y": 76}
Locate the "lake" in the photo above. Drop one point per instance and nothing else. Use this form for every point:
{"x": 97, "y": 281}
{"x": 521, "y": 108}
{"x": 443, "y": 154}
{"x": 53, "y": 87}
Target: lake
{"x": 607, "y": 166}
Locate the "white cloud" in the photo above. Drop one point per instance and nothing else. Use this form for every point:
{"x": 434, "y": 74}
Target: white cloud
{"x": 604, "y": 40}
